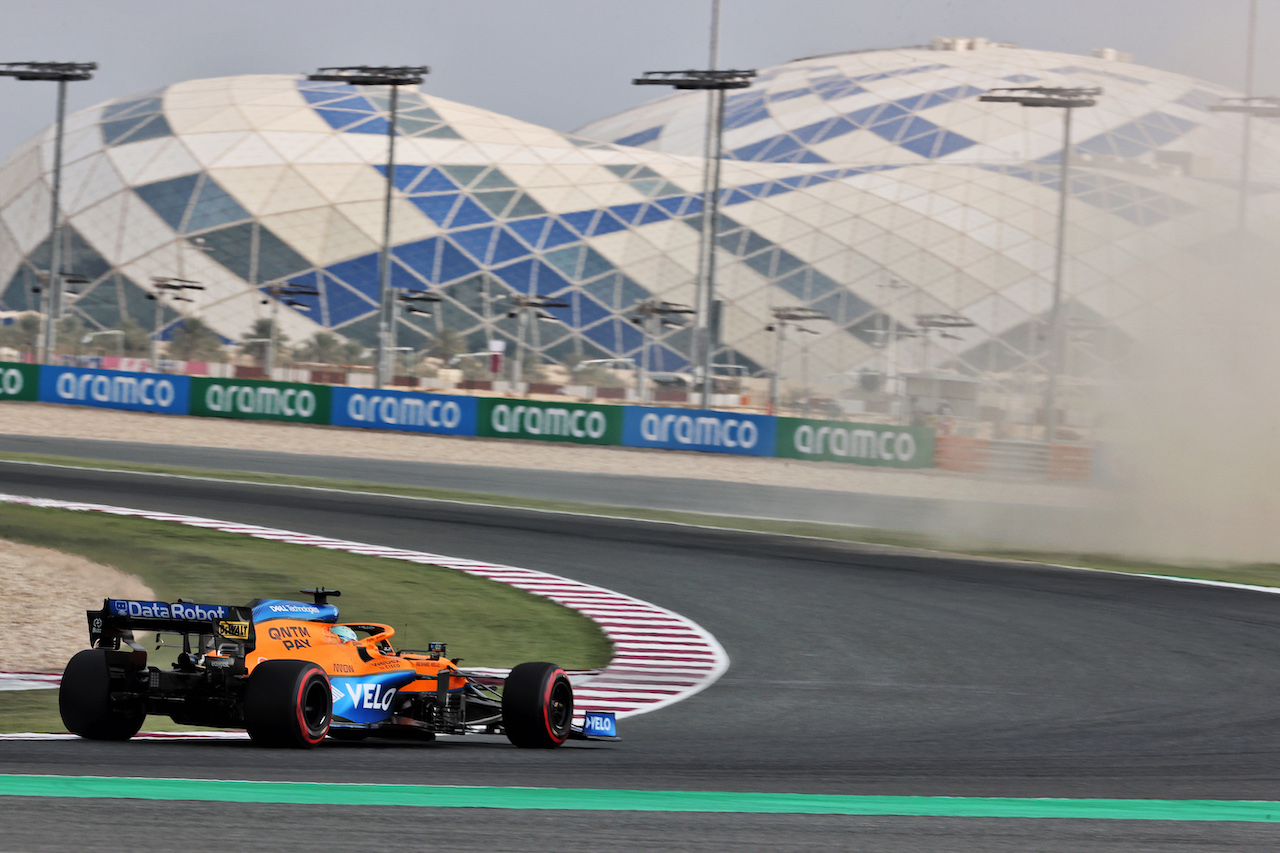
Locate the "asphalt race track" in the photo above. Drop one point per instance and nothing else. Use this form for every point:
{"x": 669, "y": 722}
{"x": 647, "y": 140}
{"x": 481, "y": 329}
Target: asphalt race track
{"x": 1007, "y": 522}
{"x": 853, "y": 671}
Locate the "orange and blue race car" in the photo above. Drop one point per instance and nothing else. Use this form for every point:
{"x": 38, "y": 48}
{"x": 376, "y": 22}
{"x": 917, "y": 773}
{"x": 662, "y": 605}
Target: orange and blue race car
{"x": 290, "y": 674}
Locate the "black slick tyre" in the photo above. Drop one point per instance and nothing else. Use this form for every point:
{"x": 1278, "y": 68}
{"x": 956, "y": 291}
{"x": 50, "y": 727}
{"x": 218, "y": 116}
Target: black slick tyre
{"x": 537, "y": 706}
{"x": 287, "y": 703}
{"x": 84, "y": 699}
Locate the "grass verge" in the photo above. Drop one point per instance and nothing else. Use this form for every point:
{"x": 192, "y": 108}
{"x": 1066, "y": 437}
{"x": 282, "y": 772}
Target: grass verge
{"x": 484, "y": 622}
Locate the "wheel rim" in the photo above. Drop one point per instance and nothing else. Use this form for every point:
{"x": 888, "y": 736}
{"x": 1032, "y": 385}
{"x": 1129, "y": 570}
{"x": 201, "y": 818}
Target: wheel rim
{"x": 560, "y": 706}
{"x": 315, "y": 705}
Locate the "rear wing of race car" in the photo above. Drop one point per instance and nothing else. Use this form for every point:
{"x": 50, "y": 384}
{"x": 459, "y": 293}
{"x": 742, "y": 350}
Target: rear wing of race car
{"x": 230, "y": 627}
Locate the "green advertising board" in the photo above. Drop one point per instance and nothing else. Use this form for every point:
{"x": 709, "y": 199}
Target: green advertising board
{"x": 257, "y": 399}
{"x": 862, "y": 444}
{"x": 19, "y": 381}
{"x": 580, "y": 423}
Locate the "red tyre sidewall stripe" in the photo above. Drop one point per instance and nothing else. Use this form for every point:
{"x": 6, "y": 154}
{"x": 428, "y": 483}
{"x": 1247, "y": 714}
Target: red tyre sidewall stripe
{"x": 546, "y": 705}
{"x": 298, "y": 706}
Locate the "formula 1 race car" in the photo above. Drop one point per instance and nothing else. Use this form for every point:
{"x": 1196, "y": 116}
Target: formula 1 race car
{"x": 290, "y": 674}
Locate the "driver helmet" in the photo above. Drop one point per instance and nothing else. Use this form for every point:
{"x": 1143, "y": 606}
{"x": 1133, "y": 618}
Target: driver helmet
{"x": 343, "y": 633}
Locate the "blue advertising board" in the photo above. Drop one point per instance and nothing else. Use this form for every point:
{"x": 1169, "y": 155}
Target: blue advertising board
{"x": 114, "y": 389}
{"x": 697, "y": 429}
{"x": 410, "y": 411}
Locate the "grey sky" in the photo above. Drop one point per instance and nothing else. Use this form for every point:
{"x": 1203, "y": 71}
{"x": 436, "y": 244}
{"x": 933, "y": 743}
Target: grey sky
{"x": 562, "y": 63}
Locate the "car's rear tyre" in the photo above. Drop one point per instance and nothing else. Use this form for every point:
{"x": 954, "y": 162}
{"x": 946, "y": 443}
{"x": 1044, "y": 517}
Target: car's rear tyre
{"x": 287, "y": 703}
{"x": 84, "y": 698}
{"x": 537, "y": 706}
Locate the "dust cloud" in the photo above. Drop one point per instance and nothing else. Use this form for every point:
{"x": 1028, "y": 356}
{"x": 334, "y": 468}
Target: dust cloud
{"x": 1199, "y": 435}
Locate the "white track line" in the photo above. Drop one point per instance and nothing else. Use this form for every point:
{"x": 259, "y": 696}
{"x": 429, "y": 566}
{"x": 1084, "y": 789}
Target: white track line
{"x": 660, "y": 657}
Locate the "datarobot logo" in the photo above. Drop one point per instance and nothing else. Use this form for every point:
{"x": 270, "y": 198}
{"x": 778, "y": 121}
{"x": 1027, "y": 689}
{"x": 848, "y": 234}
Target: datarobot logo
{"x": 198, "y": 612}
{"x": 140, "y": 609}
{"x": 178, "y": 610}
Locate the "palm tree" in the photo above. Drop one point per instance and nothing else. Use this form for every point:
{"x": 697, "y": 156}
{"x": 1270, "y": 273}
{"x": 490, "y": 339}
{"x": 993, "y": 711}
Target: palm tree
{"x": 70, "y": 330}
{"x": 447, "y": 344}
{"x": 255, "y": 340}
{"x": 22, "y": 335}
{"x": 323, "y": 348}
{"x": 194, "y": 341}
{"x": 353, "y": 352}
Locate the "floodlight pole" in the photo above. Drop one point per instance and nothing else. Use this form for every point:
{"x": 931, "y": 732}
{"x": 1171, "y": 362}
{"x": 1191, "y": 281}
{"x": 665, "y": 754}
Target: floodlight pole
{"x": 1249, "y": 106}
{"x": 716, "y": 83}
{"x": 162, "y": 285}
{"x": 891, "y": 332}
{"x": 517, "y": 363}
{"x": 399, "y": 296}
{"x": 278, "y": 293}
{"x": 387, "y": 305}
{"x": 1242, "y": 213}
{"x": 272, "y": 336}
{"x": 651, "y": 312}
{"x": 1055, "y": 308}
{"x": 392, "y": 77}
{"x": 1066, "y": 99}
{"x": 780, "y": 342}
{"x": 526, "y": 310}
{"x": 51, "y": 294}
{"x": 781, "y": 317}
{"x": 55, "y": 236}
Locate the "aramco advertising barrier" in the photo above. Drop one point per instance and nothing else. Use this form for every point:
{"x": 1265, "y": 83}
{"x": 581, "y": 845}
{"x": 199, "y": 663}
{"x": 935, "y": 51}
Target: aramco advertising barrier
{"x": 696, "y": 429}
{"x": 19, "y": 382}
{"x": 864, "y": 444}
{"x": 258, "y": 399}
{"x": 580, "y": 423}
{"x": 410, "y": 411}
{"x": 114, "y": 389}
{"x": 488, "y": 417}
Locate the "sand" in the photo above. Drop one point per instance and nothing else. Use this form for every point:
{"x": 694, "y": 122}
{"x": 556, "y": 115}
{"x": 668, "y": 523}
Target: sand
{"x": 46, "y": 596}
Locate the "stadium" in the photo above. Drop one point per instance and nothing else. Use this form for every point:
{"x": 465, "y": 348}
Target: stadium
{"x": 873, "y": 187}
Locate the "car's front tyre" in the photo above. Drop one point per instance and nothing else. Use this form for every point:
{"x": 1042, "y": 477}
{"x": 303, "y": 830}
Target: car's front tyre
{"x": 85, "y": 703}
{"x": 287, "y": 703}
{"x": 537, "y": 705}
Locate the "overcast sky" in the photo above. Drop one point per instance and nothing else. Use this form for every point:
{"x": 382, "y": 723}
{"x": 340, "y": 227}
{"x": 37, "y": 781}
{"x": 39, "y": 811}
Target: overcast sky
{"x": 562, "y": 63}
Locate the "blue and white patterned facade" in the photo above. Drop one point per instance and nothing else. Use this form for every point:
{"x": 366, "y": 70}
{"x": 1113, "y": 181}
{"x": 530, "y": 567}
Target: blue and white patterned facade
{"x": 873, "y": 186}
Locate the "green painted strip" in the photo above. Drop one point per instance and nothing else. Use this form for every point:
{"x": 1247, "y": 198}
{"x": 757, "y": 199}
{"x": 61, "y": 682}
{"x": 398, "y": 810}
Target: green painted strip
{"x": 591, "y": 799}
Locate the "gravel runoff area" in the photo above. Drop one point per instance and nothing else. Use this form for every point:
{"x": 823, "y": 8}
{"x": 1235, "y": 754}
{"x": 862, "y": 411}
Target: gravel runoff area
{"x": 46, "y": 595}
{"x": 76, "y": 422}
